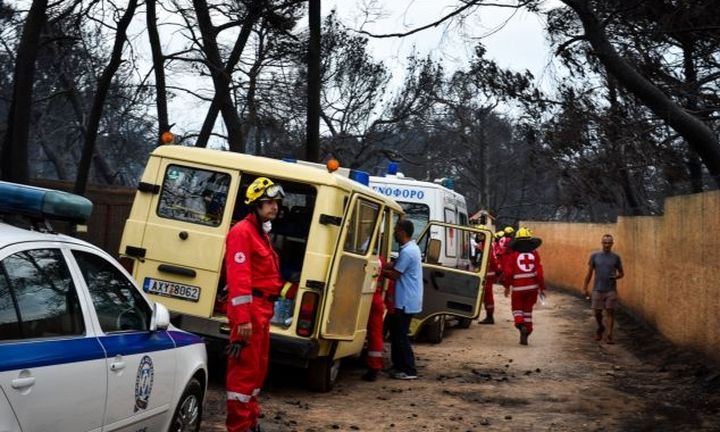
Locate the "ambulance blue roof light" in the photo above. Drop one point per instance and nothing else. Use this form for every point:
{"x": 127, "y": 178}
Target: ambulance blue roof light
{"x": 40, "y": 203}
{"x": 360, "y": 176}
{"x": 392, "y": 168}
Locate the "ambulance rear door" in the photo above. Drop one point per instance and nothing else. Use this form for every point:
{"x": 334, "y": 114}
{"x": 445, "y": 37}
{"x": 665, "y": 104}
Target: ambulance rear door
{"x": 354, "y": 272}
{"x": 181, "y": 253}
{"x": 451, "y": 286}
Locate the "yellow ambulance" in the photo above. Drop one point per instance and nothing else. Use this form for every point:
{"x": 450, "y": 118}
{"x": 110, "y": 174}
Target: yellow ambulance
{"x": 329, "y": 235}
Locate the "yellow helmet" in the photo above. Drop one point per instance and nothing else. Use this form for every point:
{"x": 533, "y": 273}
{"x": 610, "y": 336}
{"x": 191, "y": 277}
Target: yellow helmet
{"x": 509, "y": 230}
{"x": 263, "y": 189}
{"x": 499, "y": 234}
{"x": 524, "y": 233}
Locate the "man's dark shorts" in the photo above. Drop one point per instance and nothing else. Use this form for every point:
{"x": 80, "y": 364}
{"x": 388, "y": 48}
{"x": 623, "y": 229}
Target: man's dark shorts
{"x": 604, "y": 299}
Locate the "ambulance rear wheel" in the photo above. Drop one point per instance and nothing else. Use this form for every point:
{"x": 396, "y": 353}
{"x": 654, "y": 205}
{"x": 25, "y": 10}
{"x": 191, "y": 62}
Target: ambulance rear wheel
{"x": 322, "y": 374}
{"x": 464, "y": 323}
{"x": 435, "y": 329}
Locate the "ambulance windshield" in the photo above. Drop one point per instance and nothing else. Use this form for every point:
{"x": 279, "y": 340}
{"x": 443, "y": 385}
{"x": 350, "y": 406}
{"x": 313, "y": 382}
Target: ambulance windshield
{"x": 419, "y": 214}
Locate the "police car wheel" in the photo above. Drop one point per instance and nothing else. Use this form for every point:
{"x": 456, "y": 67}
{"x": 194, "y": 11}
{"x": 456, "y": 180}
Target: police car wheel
{"x": 189, "y": 409}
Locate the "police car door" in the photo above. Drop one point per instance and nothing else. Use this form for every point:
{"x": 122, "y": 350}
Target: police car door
{"x": 450, "y": 285}
{"x": 354, "y": 271}
{"x": 189, "y": 211}
{"x": 52, "y": 366}
{"x": 140, "y": 363}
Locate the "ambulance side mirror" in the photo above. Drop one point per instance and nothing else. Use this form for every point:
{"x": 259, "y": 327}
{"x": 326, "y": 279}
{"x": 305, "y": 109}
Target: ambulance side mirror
{"x": 433, "y": 251}
{"x": 160, "y": 319}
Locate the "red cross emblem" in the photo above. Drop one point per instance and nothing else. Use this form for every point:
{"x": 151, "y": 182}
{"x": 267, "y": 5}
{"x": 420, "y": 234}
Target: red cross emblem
{"x": 526, "y": 262}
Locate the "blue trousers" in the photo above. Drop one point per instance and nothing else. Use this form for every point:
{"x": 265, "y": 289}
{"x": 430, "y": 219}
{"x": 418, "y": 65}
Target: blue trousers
{"x": 402, "y": 355}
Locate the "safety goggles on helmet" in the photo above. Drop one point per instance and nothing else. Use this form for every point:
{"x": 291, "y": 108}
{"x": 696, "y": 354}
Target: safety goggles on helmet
{"x": 263, "y": 189}
{"x": 274, "y": 191}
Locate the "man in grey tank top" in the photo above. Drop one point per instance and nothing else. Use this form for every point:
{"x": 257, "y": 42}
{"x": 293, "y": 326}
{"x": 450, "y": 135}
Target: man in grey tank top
{"x": 607, "y": 267}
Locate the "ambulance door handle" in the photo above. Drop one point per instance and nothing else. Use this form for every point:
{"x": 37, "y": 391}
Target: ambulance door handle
{"x": 20, "y": 383}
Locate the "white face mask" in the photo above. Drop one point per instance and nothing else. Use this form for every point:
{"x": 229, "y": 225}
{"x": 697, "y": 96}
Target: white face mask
{"x": 267, "y": 226}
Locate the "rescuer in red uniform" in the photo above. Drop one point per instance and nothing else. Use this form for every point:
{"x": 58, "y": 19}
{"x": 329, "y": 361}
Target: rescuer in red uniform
{"x": 375, "y": 334}
{"x": 254, "y": 282}
{"x": 488, "y": 297}
{"x": 523, "y": 273}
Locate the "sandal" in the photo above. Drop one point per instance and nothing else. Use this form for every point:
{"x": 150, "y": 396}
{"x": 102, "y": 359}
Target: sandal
{"x": 599, "y": 333}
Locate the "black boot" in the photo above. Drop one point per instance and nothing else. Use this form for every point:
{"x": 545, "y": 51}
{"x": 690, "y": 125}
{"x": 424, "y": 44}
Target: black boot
{"x": 488, "y": 318}
{"x": 370, "y": 375}
{"x": 523, "y": 334}
{"x": 256, "y": 428}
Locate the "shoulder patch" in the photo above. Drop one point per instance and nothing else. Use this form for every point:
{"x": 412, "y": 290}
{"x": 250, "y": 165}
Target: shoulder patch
{"x": 240, "y": 258}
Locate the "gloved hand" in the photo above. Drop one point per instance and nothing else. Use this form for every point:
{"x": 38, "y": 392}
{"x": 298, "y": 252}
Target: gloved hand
{"x": 234, "y": 348}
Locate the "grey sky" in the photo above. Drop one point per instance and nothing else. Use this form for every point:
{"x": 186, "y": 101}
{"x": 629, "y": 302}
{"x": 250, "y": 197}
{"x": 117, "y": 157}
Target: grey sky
{"x": 514, "y": 38}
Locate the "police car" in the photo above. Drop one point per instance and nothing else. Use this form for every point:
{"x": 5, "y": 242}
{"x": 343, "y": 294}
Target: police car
{"x": 81, "y": 348}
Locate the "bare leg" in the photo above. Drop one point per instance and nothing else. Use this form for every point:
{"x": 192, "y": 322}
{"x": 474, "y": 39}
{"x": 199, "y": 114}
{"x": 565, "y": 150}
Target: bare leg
{"x": 610, "y": 322}
{"x": 599, "y": 319}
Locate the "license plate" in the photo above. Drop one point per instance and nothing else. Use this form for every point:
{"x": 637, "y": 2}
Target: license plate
{"x": 171, "y": 289}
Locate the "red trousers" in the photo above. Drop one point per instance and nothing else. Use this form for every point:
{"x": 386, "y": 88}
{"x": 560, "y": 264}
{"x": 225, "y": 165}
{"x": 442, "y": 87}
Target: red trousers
{"x": 488, "y": 298}
{"x": 375, "y": 332}
{"x": 522, "y": 303}
{"x": 246, "y": 373}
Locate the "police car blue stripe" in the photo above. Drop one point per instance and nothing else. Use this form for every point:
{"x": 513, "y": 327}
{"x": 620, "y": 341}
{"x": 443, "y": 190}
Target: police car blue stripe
{"x": 25, "y": 355}
{"x": 184, "y": 339}
{"x": 136, "y": 343}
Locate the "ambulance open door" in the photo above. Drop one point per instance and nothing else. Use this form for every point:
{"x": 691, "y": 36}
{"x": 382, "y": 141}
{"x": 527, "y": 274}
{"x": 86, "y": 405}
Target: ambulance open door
{"x": 354, "y": 272}
{"x": 451, "y": 286}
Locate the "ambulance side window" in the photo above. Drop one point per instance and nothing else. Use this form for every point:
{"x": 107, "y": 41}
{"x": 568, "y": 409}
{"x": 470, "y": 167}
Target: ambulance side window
{"x": 363, "y": 219}
{"x": 118, "y": 304}
{"x": 450, "y": 235}
{"x": 193, "y": 195}
{"x": 38, "y": 297}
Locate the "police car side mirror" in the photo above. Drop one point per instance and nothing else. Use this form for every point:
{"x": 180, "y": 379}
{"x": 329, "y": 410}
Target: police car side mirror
{"x": 160, "y": 318}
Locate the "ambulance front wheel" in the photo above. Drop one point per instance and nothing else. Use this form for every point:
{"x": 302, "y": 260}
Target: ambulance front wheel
{"x": 322, "y": 374}
{"x": 435, "y": 329}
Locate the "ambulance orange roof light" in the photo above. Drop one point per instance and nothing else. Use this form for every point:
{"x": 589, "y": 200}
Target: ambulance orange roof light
{"x": 167, "y": 137}
{"x": 332, "y": 165}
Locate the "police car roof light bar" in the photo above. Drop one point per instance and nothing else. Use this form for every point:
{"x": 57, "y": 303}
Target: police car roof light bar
{"x": 40, "y": 203}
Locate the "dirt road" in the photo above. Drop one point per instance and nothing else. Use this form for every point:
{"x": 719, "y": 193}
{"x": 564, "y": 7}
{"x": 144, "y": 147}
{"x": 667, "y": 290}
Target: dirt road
{"x": 481, "y": 379}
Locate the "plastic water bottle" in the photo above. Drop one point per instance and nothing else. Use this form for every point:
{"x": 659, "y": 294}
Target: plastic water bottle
{"x": 279, "y": 312}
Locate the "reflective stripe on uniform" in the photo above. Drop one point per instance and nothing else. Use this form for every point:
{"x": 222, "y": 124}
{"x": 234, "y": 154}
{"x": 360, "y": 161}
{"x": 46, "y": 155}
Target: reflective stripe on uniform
{"x": 525, "y": 288}
{"x": 524, "y": 275}
{"x": 240, "y": 397}
{"x": 256, "y": 392}
{"x": 241, "y": 300}
{"x": 490, "y": 274}
{"x": 374, "y": 353}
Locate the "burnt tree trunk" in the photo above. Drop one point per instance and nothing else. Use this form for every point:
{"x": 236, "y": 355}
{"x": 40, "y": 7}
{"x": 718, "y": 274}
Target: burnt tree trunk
{"x": 14, "y": 166}
{"x": 99, "y": 100}
{"x": 312, "y": 150}
{"x": 159, "y": 68}
{"x": 700, "y": 137}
